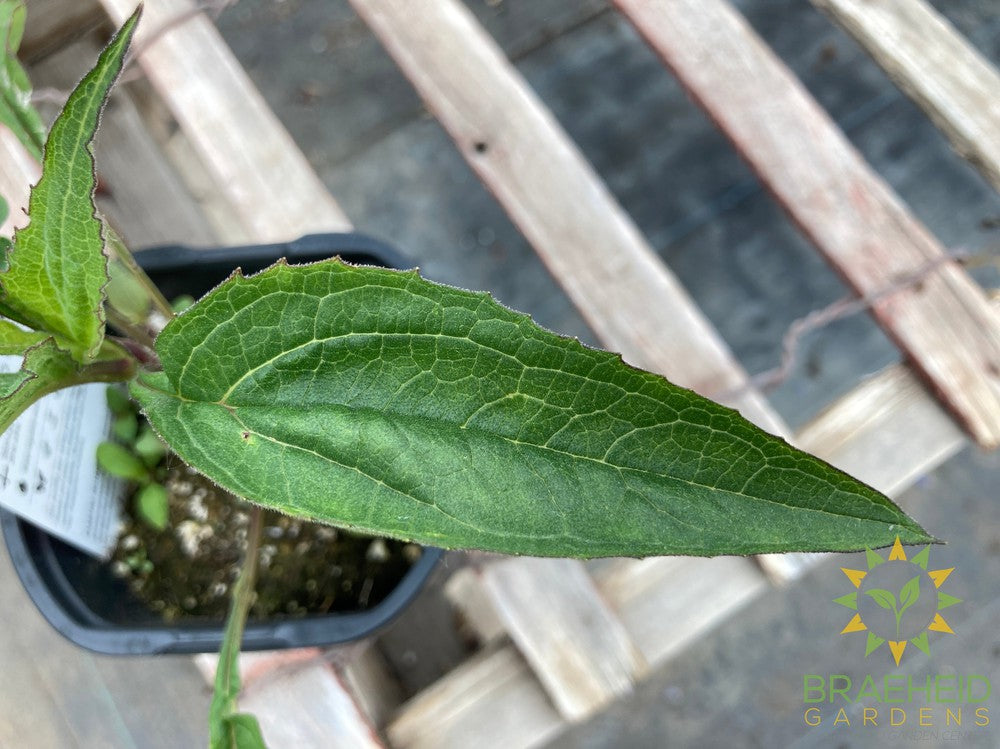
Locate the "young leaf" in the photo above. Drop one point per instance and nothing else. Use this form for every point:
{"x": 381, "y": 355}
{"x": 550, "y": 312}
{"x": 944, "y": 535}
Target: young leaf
{"x": 125, "y": 428}
{"x": 377, "y": 400}
{"x": 57, "y": 269}
{"x": 16, "y": 340}
{"x": 118, "y": 402}
{"x": 116, "y": 460}
{"x": 152, "y": 505}
{"x": 149, "y": 448}
{"x": 16, "y": 111}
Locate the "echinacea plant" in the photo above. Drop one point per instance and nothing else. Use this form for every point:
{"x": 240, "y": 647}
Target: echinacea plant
{"x": 375, "y": 400}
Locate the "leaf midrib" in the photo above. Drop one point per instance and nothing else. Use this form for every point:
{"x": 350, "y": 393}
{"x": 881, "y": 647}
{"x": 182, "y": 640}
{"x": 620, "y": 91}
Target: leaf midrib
{"x": 436, "y": 423}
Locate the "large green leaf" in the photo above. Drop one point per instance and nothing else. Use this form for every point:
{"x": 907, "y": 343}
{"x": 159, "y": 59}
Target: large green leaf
{"x": 57, "y": 269}
{"x": 16, "y": 111}
{"x": 377, "y": 400}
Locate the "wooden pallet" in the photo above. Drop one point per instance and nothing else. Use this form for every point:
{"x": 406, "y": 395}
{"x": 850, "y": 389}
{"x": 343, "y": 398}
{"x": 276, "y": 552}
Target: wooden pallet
{"x": 560, "y": 638}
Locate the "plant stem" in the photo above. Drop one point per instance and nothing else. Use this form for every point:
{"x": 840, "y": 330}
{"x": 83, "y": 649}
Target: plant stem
{"x": 222, "y": 718}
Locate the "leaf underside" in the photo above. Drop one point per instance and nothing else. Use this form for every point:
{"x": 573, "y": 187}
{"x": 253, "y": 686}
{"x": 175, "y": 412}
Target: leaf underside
{"x": 374, "y": 399}
{"x": 57, "y": 269}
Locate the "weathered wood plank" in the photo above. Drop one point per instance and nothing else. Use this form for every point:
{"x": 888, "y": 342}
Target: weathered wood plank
{"x": 888, "y": 431}
{"x": 18, "y": 171}
{"x": 576, "y": 645}
{"x": 53, "y": 23}
{"x": 668, "y": 602}
{"x": 943, "y": 324}
{"x": 936, "y": 67}
{"x": 252, "y": 158}
{"x": 141, "y": 193}
{"x": 310, "y": 706}
{"x": 490, "y": 702}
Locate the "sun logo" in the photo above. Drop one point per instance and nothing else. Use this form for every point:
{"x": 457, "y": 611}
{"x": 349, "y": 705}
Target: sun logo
{"x": 895, "y": 602}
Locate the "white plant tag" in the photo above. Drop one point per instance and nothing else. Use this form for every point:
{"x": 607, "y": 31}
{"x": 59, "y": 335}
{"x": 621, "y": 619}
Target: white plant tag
{"x": 48, "y": 467}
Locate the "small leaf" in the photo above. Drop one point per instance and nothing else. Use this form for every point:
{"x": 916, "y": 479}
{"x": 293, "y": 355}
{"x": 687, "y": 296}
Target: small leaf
{"x": 909, "y": 594}
{"x": 125, "y": 427}
{"x": 149, "y": 447}
{"x": 883, "y": 598}
{"x": 376, "y": 400}
{"x": 181, "y": 303}
{"x": 118, "y": 401}
{"x": 116, "y": 460}
{"x": 16, "y": 111}
{"x": 57, "y": 269}
{"x": 152, "y": 505}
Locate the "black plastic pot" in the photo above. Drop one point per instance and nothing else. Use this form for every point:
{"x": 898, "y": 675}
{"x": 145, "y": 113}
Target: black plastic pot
{"x": 87, "y": 604}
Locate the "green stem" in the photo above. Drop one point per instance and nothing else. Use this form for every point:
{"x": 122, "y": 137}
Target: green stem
{"x": 105, "y": 370}
{"x": 224, "y": 728}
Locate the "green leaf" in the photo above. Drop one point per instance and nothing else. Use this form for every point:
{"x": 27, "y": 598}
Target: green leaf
{"x": 883, "y": 598}
{"x": 47, "y": 367}
{"x": 376, "y": 400}
{"x": 116, "y": 460}
{"x": 909, "y": 594}
{"x": 57, "y": 267}
{"x": 16, "y": 340}
{"x": 16, "y": 111}
{"x": 149, "y": 447}
{"x": 118, "y": 402}
{"x": 152, "y": 505}
{"x": 125, "y": 428}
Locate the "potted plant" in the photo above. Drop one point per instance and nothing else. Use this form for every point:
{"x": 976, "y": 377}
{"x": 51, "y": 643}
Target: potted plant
{"x": 87, "y": 600}
{"x": 375, "y": 400}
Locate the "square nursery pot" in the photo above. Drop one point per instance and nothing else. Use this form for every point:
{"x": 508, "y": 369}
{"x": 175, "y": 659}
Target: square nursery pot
{"x": 81, "y": 597}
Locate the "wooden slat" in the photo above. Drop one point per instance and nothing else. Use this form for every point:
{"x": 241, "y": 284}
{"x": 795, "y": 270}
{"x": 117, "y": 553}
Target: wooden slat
{"x": 252, "y": 158}
{"x": 576, "y": 645}
{"x": 944, "y": 324}
{"x": 310, "y": 706}
{"x": 888, "y": 431}
{"x": 18, "y": 171}
{"x": 490, "y": 702}
{"x": 668, "y": 602}
{"x": 133, "y": 171}
{"x": 944, "y": 74}
{"x": 53, "y": 23}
